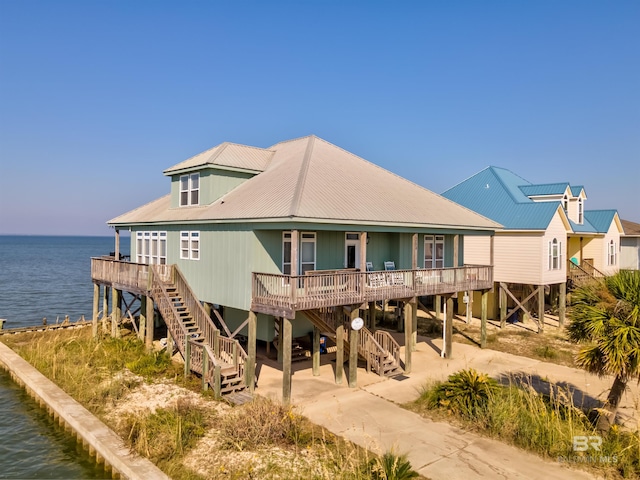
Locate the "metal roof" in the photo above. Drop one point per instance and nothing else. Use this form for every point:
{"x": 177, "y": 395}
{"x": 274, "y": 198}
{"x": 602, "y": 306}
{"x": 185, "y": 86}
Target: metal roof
{"x": 311, "y": 179}
{"x": 576, "y": 189}
{"x": 501, "y": 195}
{"x": 495, "y": 193}
{"x": 600, "y": 219}
{"x": 544, "y": 189}
{"x": 227, "y": 155}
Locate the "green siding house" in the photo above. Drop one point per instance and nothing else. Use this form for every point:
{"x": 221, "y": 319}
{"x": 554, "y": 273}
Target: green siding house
{"x": 274, "y": 239}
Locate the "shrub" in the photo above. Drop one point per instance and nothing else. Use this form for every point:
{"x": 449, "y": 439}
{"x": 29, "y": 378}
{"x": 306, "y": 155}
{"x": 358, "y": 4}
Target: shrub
{"x": 263, "y": 422}
{"x": 465, "y": 393}
{"x": 391, "y": 467}
{"x": 165, "y": 434}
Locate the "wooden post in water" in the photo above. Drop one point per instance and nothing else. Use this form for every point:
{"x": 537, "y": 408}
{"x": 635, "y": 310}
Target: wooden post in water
{"x": 96, "y": 307}
{"x": 286, "y": 361}
{"x": 251, "y": 351}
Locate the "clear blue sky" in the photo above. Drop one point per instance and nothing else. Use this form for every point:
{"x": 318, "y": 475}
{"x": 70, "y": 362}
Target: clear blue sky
{"x": 97, "y": 98}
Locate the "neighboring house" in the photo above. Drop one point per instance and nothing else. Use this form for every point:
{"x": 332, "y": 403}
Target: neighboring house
{"x": 545, "y": 227}
{"x": 276, "y": 241}
{"x": 630, "y": 246}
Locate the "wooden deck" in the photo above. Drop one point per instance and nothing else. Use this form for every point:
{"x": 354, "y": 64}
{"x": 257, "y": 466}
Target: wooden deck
{"x": 283, "y": 295}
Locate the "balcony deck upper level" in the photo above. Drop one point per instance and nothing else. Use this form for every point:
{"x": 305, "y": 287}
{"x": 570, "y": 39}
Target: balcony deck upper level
{"x": 283, "y": 295}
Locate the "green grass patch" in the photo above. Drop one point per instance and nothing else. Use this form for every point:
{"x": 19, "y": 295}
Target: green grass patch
{"x": 545, "y": 424}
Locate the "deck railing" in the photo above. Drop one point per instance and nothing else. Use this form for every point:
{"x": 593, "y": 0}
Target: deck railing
{"x": 220, "y": 351}
{"x": 275, "y": 293}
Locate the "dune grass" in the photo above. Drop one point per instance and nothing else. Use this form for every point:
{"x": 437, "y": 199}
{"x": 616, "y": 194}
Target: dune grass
{"x": 546, "y": 424}
{"x": 260, "y": 439}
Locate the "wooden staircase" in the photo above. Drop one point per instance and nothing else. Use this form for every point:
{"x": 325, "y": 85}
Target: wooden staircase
{"x": 379, "y": 349}
{"x": 579, "y": 274}
{"x": 218, "y": 359}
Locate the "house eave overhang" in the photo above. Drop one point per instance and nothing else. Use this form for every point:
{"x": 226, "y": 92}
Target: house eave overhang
{"x": 306, "y": 220}
{"x": 209, "y": 166}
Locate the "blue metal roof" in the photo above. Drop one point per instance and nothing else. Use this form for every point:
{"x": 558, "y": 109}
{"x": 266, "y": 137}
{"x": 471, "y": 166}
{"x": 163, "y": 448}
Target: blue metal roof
{"x": 502, "y": 196}
{"x": 586, "y": 227}
{"x": 600, "y": 219}
{"x": 576, "y": 189}
{"x": 544, "y": 189}
{"x": 495, "y": 193}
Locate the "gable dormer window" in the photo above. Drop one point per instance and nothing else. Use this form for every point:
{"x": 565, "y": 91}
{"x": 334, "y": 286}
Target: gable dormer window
{"x": 580, "y": 211}
{"x": 190, "y": 189}
{"x": 565, "y": 203}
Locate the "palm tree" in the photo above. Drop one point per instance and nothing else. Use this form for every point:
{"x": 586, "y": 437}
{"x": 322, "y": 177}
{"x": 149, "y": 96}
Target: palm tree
{"x": 606, "y": 318}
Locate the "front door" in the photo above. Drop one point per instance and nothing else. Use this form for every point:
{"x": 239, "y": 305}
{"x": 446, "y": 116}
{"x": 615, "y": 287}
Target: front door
{"x": 352, "y": 250}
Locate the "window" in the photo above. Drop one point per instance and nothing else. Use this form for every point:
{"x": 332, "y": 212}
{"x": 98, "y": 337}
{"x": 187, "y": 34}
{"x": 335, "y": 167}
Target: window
{"x": 190, "y": 189}
{"x": 286, "y": 253}
{"x": 307, "y": 254}
{"x": 434, "y": 251}
{"x": 580, "y": 211}
{"x": 190, "y": 245}
{"x": 151, "y": 247}
{"x": 612, "y": 254}
{"x": 555, "y": 254}
{"x": 565, "y": 203}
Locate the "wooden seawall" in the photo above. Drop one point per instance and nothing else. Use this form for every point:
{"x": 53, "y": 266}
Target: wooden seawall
{"x": 96, "y": 437}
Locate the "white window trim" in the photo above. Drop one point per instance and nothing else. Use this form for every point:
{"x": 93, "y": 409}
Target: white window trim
{"x": 580, "y": 211}
{"x": 145, "y": 242}
{"x": 555, "y": 261}
{"x": 612, "y": 253}
{"x": 189, "y": 190}
{"x": 434, "y": 240}
{"x": 287, "y": 238}
{"x": 190, "y": 252}
{"x": 310, "y": 239}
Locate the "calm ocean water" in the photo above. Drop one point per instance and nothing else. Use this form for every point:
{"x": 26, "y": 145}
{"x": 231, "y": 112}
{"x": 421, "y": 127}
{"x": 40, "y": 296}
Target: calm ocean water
{"x": 43, "y": 277}
{"x": 48, "y": 277}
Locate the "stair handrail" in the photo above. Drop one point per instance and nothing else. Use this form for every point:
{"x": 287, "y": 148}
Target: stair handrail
{"x": 595, "y": 270}
{"x": 219, "y": 344}
{"x": 585, "y": 273}
{"x": 389, "y": 344}
{"x": 168, "y": 311}
{"x": 209, "y": 330}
